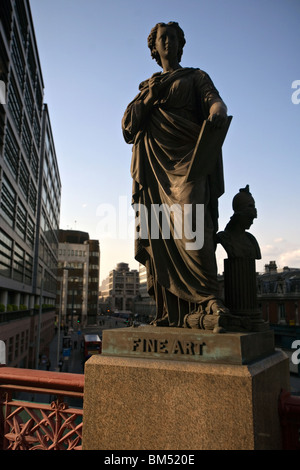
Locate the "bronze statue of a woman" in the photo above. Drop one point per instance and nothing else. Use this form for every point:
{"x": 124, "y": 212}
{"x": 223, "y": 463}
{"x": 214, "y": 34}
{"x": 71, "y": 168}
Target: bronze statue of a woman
{"x": 163, "y": 123}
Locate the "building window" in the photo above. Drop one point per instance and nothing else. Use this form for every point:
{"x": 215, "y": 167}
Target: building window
{"x": 44, "y": 194}
{"x": 26, "y": 139}
{"x": 32, "y": 196}
{"x": 281, "y": 313}
{"x": 39, "y": 97}
{"x": 24, "y": 178}
{"x": 30, "y": 232}
{"x": 34, "y": 163}
{"x": 22, "y": 342}
{"x": 17, "y": 343}
{"x": 29, "y": 100}
{"x": 31, "y": 61}
{"x": 14, "y": 104}
{"x": 18, "y": 263}
{"x": 8, "y": 202}
{"x": 10, "y": 349}
{"x": 28, "y": 268}
{"x": 36, "y": 130}
{"x": 46, "y": 168}
{"x": 11, "y": 153}
{"x": 5, "y": 254}
{"x": 21, "y": 14}
{"x": 17, "y": 57}
{"x": 47, "y": 141}
{"x": 21, "y": 221}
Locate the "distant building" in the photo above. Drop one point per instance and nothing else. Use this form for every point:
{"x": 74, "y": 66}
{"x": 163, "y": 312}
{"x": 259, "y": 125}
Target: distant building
{"x": 145, "y": 306}
{"x": 78, "y": 284}
{"x": 279, "y": 294}
{"x": 119, "y": 290}
{"x": 279, "y": 298}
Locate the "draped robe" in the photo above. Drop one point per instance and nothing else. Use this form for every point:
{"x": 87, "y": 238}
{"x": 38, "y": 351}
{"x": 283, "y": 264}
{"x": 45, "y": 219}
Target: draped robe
{"x": 163, "y": 143}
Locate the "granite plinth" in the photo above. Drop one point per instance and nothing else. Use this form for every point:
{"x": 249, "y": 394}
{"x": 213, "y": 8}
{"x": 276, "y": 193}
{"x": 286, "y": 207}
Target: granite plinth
{"x": 151, "y": 404}
{"x": 183, "y": 344}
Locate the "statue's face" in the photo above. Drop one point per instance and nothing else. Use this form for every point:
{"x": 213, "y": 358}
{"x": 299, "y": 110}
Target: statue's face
{"x": 246, "y": 221}
{"x": 248, "y": 215}
{"x": 166, "y": 42}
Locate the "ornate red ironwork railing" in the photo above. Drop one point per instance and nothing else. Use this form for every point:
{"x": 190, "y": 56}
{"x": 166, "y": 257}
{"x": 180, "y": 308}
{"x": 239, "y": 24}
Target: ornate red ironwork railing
{"x": 40, "y": 410}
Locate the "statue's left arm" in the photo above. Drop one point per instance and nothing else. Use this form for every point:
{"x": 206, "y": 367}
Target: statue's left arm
{"x": 218, "y": 113}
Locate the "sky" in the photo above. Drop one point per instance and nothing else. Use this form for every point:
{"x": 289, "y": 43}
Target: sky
{"x": 93, "y": 56}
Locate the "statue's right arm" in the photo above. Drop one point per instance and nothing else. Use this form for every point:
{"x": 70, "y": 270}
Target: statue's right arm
{"x": 138, "y": 110}
{"x": 132, "y": 120}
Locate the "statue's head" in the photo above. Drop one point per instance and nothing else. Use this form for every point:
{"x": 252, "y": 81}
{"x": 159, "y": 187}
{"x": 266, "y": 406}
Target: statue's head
{"x": 244, "y": 208}
{"x": 244, "y": 202}
{"x": 152, "y": 40}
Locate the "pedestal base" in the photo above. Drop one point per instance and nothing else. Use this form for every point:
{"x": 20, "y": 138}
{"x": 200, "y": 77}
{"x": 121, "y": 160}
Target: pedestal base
{"x": 184, "y": 344}
{"x": 156, "y": 404}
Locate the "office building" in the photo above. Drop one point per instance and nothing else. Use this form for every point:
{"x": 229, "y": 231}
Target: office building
{"x": 78, "y": 278}
{"x": 279, "y": 295}
{"x": 30, "y": 186}
{"x": 120, "y": 289}
{"x": 145, "y": 306}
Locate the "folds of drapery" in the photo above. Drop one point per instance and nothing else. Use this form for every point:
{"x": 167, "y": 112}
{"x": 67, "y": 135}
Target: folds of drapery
{"x": 163, "y": 143}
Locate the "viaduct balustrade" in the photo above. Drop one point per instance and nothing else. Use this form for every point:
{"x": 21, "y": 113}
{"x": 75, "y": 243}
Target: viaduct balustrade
{"x": 43, "y": 410}
{"x": 40, "y": 410}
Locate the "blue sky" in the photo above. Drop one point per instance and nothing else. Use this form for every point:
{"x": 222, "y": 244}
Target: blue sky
{"x": 94, "y": 54}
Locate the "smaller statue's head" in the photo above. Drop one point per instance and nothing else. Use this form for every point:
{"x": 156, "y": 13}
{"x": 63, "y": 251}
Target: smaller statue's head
{"x": 152, "y": 40}
{"x": 243, "y": 206}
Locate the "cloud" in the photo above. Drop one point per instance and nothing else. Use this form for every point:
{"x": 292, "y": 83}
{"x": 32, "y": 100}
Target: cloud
{"x": 270, "y": 250}
{"x": 290, "y": 258}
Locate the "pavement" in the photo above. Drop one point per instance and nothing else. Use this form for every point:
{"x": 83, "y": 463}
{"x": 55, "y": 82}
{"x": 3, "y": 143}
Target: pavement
{"x": 74, "y": 363}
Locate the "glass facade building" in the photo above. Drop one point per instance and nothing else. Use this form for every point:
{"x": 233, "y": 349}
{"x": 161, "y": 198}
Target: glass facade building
{"x": 30, "y": 186}
{"x": 78, "y": 284}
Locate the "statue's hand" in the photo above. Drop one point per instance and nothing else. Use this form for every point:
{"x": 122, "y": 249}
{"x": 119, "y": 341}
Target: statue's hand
{"x": 218, "y": 114}
{"x": 155, "y": 88}
{"x": 218, "y": 119}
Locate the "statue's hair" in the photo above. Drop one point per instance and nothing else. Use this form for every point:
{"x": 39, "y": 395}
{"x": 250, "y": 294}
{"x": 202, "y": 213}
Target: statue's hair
{"x": 152, "y": 39}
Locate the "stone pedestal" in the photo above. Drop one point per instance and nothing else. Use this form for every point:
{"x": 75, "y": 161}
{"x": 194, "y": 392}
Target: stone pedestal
{"x": 240, "y": 285}
{"x": 240, "y": 292}
{"x": 184, "y": 344}
{"x": 155, "y": 403}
